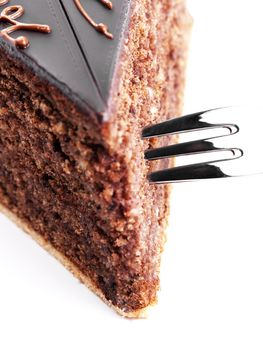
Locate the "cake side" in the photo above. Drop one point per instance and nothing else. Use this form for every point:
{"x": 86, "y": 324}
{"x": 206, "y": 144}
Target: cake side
{"x": 78, "y": 185}
{"x": 151, "y": 83}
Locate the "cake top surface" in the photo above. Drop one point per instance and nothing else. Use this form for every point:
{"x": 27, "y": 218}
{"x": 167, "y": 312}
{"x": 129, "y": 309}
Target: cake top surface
{"x": 78, "y": 50}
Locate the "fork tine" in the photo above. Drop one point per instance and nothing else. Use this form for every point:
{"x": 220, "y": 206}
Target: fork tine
{"x": 205, "y": 146}
{"x": 243, "y": 154}
{"x": 184, "y": 124}
{"x": 188, "y": 173}
{"x": 193, "y": 147}
{"x": 175, "y": 125}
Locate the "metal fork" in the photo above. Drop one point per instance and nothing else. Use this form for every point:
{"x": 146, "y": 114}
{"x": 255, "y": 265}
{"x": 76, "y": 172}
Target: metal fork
{"x": 233, "y": 146}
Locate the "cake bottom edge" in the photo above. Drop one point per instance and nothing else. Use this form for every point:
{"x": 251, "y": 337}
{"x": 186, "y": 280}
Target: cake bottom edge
{"x": 141, "y": 313}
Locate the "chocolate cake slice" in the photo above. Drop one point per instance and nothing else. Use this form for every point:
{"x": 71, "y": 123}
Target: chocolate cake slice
{"x": 78, "y": 82}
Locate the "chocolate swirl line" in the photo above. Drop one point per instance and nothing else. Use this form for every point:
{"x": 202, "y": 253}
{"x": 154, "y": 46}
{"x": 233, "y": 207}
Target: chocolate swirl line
{"x": 9, "y": 15}
{"x": 100, "y": 27}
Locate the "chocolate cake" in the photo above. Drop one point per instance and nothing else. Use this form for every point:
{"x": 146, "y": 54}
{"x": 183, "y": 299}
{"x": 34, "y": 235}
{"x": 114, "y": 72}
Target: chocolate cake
{"x": 78, "y": 82}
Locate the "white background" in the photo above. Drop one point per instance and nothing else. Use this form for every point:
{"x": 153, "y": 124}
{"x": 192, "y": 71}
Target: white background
{"x": 212, "y": 291}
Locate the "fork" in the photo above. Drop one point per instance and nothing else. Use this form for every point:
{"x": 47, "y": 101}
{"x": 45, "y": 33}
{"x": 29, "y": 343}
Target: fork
{"x": 232, "y": 150}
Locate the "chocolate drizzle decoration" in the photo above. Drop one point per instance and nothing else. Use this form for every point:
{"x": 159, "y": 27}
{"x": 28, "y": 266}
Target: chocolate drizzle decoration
{"x": 100, "y": 27}
{"x": 9, "y": 15}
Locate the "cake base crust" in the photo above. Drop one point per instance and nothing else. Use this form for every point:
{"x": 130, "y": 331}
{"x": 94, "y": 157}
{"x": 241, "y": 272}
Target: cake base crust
{"x": 70, "y": 266}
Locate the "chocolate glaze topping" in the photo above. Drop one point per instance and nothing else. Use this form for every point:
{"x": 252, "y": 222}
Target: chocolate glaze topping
{"x": 100, "y": 27}
{"x": 76, "y": 58}
{"x": 9, "y": 15}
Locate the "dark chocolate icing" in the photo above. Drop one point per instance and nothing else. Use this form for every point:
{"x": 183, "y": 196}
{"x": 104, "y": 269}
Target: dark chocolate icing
{"x": 80, "y": 60}
{"x": 100, "y": 27}
{"x": 9, "y": 15}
